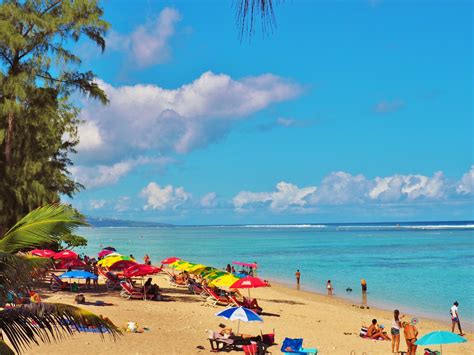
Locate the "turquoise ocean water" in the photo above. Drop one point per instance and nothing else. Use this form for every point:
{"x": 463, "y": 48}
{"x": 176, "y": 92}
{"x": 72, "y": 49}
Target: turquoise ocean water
{"x": 420, "y": 268}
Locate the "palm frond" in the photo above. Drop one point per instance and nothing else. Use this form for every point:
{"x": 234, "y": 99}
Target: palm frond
{"x": 39, "y": 227}
{"x": 247, "y": 12}
{"x": 15, "y": 273}
{"x": 46, "y": 322}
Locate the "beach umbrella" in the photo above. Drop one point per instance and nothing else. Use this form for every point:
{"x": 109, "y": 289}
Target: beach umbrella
{"x": 207, "y": 270}
{"x": 43, "y": 253}
{"x": 109, "y": 248}
{"x": 224, "y": 281}
{"x": 70, "y": 263}
{"x": 440, "y": 337}
{"x": 110, "y": 260}
{"x": 78, "y": 274}
{"x": 104, "y": 252}
{"x": 141, "y": 270}
{"x": 185, "y": 266}
{"x": 241, "y": 314}
{"x": 169, "y": 260}
{"x": 215, "y": 274}
{"x": 249, "y": 282}
{"x": 66, "y": 254}
{"x": 122, "y": 265}
{"x": 196, "y": 268}
{"x": 112, "y": 253}
{"x": 176, "y": 263}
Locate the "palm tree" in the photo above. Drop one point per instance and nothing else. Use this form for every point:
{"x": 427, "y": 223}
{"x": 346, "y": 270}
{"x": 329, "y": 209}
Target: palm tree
{"x": 45, "y": 322}
{"x": 247, "y": 12}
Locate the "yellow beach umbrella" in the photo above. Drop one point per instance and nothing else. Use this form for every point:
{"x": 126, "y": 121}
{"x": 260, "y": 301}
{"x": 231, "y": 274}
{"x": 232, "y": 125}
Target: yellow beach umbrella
{"x": 184, "y": 266}
{"x": 224, "y": 281}
{"x": 197, "y": 268}
{"x": 107, "y": 262}
{"x": 215, "y": 274}
{"x": 177, "y": 263}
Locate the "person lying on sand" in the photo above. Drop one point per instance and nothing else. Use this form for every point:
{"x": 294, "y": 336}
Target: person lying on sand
{"x": 375, "y": 332}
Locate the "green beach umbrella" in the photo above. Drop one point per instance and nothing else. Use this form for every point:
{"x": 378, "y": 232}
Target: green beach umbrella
{"x": 215, "y": 274}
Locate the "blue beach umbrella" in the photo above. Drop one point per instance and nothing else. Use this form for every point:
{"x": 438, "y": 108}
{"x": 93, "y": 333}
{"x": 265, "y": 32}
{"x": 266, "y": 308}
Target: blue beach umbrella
{"x": 440, "y": 337}
{"x": 78, "y": 274}
{"x": 241, "y": 314}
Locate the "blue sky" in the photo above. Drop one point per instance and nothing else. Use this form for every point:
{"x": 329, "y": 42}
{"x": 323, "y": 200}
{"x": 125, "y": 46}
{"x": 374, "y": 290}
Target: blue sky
{"x": 348, "y": 111}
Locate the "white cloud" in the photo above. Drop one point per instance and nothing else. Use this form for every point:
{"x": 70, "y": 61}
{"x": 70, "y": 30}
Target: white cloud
{"x": 161, "y": 198}
{"x": 90, "y": 138}
{"x": 97, "y": 204}
{"x": 389, "y": 106}
{"x": 148, "y": 117}
{"x": 410, "y": 187}
{"x": 341, "y": 188}
{"x": 286, "y": 196}
{"x": 465, "y": 186}
{"x": 122, "y": 204}
{"x": 103, "y": 175}
{"x": 209, "y": 200}
{"x": 148, "y": 44}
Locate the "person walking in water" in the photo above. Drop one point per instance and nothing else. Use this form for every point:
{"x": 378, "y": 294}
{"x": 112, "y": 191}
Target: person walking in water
{"x": 455, "y": 318}
{"x": 329, "y": 287}
{"x": 363, "y": 284}
{"x": 298, "y": 276}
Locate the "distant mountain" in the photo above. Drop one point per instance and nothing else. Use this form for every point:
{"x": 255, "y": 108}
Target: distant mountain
{"x": 110, "y": 222}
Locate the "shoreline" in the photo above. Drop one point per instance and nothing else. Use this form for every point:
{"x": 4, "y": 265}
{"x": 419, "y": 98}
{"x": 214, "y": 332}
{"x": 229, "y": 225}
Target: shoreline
{"x": 178, "y": 325}
{"x": 377, "y": 305}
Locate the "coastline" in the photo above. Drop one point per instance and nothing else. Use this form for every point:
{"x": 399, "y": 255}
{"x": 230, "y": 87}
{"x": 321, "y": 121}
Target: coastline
{"x": 178, "y": 325}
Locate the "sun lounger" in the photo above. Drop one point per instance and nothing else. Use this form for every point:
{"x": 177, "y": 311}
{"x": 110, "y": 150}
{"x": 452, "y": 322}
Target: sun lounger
{"x": 58, "y": 284}
{"x": 247, "y": 303}
{"x": 174, "y": 283}
{"x": 295, "y": 346}
{"x": 112, "y": 281}
{"x": 129, "y": 292}
{"x": 214, "y": 299}
{"x": 220, "y": 343}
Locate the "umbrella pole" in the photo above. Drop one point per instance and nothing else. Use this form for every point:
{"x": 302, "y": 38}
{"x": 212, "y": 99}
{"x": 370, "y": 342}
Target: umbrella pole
{"x": 238, "y": 327}
{"x": 441, "y": 347}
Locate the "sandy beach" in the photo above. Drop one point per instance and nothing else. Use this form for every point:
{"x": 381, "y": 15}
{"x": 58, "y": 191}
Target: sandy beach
{"x": 178, "y": 325}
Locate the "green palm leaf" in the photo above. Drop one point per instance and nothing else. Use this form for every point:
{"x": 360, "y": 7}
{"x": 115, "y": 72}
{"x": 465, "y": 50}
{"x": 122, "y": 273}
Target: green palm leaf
{"x": 48, "y": 322}
{"x": 39, "y": 227}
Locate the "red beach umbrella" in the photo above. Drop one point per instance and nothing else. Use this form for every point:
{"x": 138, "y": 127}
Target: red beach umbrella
{"x": 170, "y": 260}
{"x": 122, "y": 264}
{"x": 249, "y": 282}
{"x": 66, "y": 254}
{"x": 71, "y": 263}
{"x": 43, "y": 253}
{"x": 104, "y": 252}
{"x": 141, "y": 270}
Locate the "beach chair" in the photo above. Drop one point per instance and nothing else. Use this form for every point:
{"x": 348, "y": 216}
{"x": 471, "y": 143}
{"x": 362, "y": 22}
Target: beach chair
{"x": 247, "y": 303}
{"x": 295, "y": 346}
{"x": 58, "y": 284}
{"x": 214, "y": 299}
{"x": 173, "y": 283}
{"x": 129, "y": 292}
{"x": 112, "y": 281}
{"x": 219, "y": 343}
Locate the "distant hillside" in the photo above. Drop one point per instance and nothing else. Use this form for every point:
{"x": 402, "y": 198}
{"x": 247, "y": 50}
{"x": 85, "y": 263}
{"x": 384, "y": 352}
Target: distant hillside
{"x": 109, "y": 222}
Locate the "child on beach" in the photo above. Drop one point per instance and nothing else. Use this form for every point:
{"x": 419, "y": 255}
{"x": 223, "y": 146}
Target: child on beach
{"x": 329, "y": 287}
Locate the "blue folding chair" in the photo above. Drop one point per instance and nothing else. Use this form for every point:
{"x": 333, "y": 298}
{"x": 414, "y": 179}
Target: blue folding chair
{"x": 296, "y": 346}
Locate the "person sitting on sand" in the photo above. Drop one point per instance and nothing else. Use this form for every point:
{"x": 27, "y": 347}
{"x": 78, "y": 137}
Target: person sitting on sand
{"x": 411, "y": 334}
{"x": 374, "y": 332}
{"x": 152, "y": 289}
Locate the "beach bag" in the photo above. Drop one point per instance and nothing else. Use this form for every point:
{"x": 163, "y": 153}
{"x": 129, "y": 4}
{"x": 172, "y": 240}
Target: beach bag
{"x": 80, "y": 298}
{"x": 363, "y": 332}
{"x": 431, "y": 352}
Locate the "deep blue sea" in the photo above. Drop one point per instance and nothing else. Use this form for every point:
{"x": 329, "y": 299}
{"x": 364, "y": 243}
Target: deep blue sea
{"x": 415, "y": 267}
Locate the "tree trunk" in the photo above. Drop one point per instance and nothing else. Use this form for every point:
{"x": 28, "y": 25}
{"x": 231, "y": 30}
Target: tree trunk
{"x": 9, "y": 139}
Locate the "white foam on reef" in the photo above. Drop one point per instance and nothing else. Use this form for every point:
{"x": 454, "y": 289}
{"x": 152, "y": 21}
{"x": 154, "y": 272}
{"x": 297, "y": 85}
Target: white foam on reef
{"x": 284, "y": 226}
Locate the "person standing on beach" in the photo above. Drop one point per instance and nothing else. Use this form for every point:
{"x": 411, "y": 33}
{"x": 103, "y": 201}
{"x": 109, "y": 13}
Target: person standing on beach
{"x": 455, "y": 318}
{"x": 395, "y": 331}
{"x": 329, "y": 287}
{"x": 411, "y": 334}
{"x": 298, "y": 275}
{"x": 363, "y": 284}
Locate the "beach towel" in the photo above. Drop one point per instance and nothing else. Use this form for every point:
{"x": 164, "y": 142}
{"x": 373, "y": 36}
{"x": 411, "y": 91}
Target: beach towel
{"x": 292, "y": 346}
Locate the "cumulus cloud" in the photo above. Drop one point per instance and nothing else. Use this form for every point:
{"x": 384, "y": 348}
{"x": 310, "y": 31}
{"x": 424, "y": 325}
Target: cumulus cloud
{"x": 148, "y": 43}
{"x": 97, "y": 204}
{"x": 286, "y": 196}
{"x": 148, "y": 117}
{"x": 465, "y": 186}
{"x": 389, "y": 106}
{"x": 342, "y": 188}
{"x": 209, "y": 200}
{"x": 122, "y": 204}
{"x": 410, "y": 187}
{"x": 103, "y": 175}
{"x": 161, "y": 198}
{"x": 90, "y": 137}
